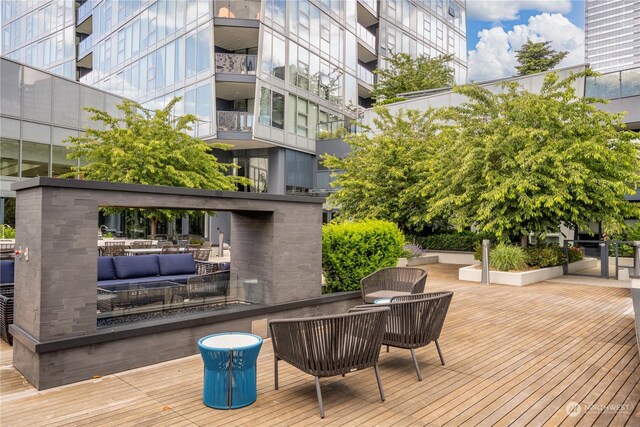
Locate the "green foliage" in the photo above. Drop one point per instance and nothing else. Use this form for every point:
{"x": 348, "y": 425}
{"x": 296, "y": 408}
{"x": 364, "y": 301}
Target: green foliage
{"x": 381, "y": 176}
{"x": 537, "y": 57}
{"x": 575, "y": 254}
{"x": 630, "y": 233}
{"x": 406, "y": 74}
{"x": 150, "y": 148}
{"x": 7, "y": 232}
{"x": 516, "y": 162}
{"x": 507, "y": 258}
{"x": 196, "y": 240}
{"x": 457, "y": 241}
{"x": 387, "y": 101}
{"x": 544, "y": 256}
{"x": 353, "y": 250}
{"x": 107, "y": 234}
{"x": 338, "y": 133}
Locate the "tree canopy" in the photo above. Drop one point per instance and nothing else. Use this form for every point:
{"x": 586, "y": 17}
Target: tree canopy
{"x": 380, "y": 177}
{"x": 407, "y": 74}
{"x": 537, "y": 57}
{"x": 517, "y": 162}
{"x": 150, "y": 147}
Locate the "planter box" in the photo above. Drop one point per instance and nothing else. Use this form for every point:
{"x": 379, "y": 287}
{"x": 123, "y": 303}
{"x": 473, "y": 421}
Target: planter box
{"x": 454, "y": 257}
{"x": 521, "y": 278}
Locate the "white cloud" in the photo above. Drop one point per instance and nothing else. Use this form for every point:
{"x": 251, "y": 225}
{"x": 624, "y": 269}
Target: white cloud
{"x": 494, "y": 55}
{"x": 507, "y": 10}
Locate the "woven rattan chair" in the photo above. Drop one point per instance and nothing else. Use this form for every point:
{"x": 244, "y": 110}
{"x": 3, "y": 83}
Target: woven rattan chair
{"x": 415, "y": 321}
{"x": 207, "y": 286}
{"x": 113, "y": 250}
{"x": 192, "y": 248}
{"x": 392, "y": 282}
{"x": 202, "y": 254}
{"x": 170, "y": 249}
{"x": 330, "y": 345}
{"x": 141, "y": 244}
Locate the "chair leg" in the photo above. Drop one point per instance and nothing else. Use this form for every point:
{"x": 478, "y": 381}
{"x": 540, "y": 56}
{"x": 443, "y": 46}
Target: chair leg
{"x": 440, "y": 353}
{"x": 275, "y": 370}
{"x": 387, "y": 349}
{"x": 415, "y": 362}
{"x": 319, "y": 393}
{"x": 375, "y": 368}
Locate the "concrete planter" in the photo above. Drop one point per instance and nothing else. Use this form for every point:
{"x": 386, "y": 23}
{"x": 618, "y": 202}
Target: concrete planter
{"x": 520, "y": 278}
{"x": 453, "y": 257}
{"x": 584, "y": 264}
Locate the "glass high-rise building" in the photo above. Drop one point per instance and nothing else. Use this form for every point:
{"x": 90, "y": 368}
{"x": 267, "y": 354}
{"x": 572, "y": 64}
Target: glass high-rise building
{"x": 268, "y": 77}
{"x": 612, "y": 38}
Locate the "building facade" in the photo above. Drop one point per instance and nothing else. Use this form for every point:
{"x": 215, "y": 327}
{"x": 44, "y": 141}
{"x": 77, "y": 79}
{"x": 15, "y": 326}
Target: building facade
{"x": 268, "y": 77}
{"x": 612, "y": 41}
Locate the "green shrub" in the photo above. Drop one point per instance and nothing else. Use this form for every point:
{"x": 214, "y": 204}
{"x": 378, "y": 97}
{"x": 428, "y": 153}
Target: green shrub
{"x": 544, "y": 256}
{"x": 507, "y": 258}
{"x": 575, "y": 254}
{"x": 462, "y": 241}
{"x": 7, "y": 232}
{"x": 353, "y": 250}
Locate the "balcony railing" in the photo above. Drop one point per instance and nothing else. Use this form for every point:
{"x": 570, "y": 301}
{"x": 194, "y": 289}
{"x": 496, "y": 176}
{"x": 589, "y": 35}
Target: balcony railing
{"x": 84, "y": 10}
{"x": 239, "y": 9}
{"x": 619, "y": 84}
{"x": 373, "y": 4}
{"x": 365, "y": 75}
{"x": 234, "y": 63}
{"x": 235, "y": 121}
{"x": 85, "y": 46}
{"x": 366, "y": 36}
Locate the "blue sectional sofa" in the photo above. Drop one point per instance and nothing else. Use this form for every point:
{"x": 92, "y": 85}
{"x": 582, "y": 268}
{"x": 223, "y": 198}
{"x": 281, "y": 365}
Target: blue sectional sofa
{"x": 119, "y": 270}
{"x": 6, "y": 298}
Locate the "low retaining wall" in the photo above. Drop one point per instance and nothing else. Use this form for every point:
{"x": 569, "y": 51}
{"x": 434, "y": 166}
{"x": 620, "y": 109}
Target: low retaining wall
{"x": 473, "y": 274}
{"x": 454, "y": 257}
{"x": 135, "y": 345}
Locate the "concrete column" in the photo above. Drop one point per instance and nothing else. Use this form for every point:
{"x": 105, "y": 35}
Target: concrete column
{"x": 277, "y": 172}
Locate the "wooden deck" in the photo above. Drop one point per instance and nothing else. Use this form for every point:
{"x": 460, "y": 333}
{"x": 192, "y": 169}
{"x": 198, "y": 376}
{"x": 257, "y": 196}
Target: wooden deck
{"x": 515, "y": 356}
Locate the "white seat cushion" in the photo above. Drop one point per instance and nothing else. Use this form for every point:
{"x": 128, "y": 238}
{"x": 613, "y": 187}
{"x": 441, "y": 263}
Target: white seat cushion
{"x": 370, "y": 298}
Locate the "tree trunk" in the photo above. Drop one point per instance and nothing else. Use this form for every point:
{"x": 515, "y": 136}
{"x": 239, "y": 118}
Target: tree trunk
{"x": 524, "y": 241}
{"x": 154, "y": 226}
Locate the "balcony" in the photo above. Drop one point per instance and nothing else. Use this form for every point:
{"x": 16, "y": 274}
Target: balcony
{"x": 238, "y": 9}
{"x": 365, "y": 75}
{"x": 616, "y": 85}
{"x": 233, "y": 63}
{"x": 235, "y": 121}
{"x": 367, "y": 37}
{"x": 371, "y": 4}
{"x": 85, "y": 46}
{"x": 84, "y": 11}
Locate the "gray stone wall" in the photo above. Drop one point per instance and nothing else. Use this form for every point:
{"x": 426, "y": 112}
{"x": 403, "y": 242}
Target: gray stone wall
{"x": 275, "y": 239}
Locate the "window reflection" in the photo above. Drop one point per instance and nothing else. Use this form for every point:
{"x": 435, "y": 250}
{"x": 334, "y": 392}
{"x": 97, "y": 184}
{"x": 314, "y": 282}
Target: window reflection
{"x": 35, "y": 159}
{"x": 9, "y": 157}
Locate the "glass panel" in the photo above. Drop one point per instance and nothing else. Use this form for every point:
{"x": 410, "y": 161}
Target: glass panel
{"x": 9, "y": 157}
{"x": 266, "y": 53}
{"x": 10, "y": 75}
{"x": 60, "y": 164}
{"x": 190, "y": 56}
{"x": 277, "y": 115}
{"x": 204, "y": 50}
{"x": 66, "y": 113}
{"x": 37, "y": 95}
{"x": 606, "y": 86}
{"x": 278, "y": 58}
{"x": 35, "y": 159}
{"x": 265, "y": 107}
{"x": 630, "y": 82}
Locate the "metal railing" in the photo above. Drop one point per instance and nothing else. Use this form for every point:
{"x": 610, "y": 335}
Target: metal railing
{"x": 235, "y": 63}
{"x": 85, "y": 45}
{"x": 366, "y": 36}
{"x": 365, "y": 75}
{"x": 615, "y": 85}
{"x": 235, "y": 121}
{"x": 84, "y": 10}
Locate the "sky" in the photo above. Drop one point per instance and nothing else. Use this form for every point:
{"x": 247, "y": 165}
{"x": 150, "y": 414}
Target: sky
{"x": 497, "y": 28}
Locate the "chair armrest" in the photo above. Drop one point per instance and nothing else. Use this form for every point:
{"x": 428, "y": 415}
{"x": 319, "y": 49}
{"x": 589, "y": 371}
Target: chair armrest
{"x": 206, "y": 267}
{"x": 370, "y": 283}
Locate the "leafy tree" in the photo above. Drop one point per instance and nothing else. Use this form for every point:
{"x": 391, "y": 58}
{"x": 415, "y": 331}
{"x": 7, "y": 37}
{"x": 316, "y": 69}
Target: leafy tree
{"x": 152, "y": 148}
{"x": 379, "y": 178}
{"x": 517, "y": 162}
{"x": 407, "y": 74}
{"x": 537, "y": 57}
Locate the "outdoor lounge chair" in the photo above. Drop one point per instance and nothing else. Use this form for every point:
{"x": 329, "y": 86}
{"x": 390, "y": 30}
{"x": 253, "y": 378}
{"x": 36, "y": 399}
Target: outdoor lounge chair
{"x": 392, "y": 282}
{"x": 330, "y": 345}
{"x": 414, "y": 321}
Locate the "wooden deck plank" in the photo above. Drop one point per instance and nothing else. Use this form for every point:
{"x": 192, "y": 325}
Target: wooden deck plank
{"x": 515, "y": 355}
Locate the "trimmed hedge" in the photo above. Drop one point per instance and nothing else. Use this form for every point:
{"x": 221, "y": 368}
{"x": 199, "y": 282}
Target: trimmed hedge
{"x": 353, "y": 250}
{"x": 541, "y": 256}
{"x": 462, "y": 241}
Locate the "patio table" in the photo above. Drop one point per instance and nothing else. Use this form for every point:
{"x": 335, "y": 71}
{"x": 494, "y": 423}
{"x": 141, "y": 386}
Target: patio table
{"x": 146, "y": 251}
{"x": 230, "y": 369}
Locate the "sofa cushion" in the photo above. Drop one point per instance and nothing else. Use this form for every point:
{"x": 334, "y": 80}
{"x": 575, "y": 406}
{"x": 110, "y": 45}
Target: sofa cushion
{"x": 106, "y": 269}
{"x": 6, "y": 270}
{"x": 128, "y": 267}
{"x": 172, "y": 264}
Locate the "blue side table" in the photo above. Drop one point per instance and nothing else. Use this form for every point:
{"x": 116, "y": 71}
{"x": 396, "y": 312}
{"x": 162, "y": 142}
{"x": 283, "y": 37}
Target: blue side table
{"x": 230, "y": 369}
